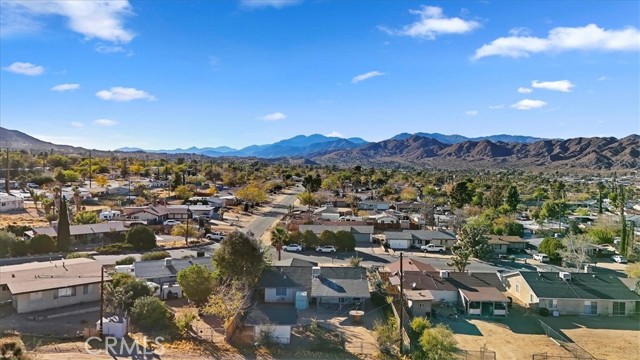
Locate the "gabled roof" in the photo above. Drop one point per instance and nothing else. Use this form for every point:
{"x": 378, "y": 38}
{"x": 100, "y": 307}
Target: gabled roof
{"x": 484, "y": 294}
{"x": 341, "y": 282}
{"x": 429, "y": 280}
{"x": 584, "y": 286}
{"x": 506, "y": 238}
{"x": 475, "y": 280}
{"x": 318, "y": 229}
{"x": 157, "y": 268}
{"x": 420, "y": 234}
{"x": 285, "y": 277}
{"x": 99, "y": 228}
{"x": 294, "y": 262}
{"x": 39, "y": 276}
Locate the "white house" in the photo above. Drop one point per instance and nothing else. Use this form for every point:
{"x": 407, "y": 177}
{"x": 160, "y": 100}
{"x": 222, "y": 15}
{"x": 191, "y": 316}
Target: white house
{"x": 10, "y": 202}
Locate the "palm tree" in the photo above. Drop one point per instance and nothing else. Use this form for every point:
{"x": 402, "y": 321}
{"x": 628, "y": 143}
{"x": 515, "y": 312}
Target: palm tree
{"x": 35, "y": 197}
{"x": 278, "y": 236}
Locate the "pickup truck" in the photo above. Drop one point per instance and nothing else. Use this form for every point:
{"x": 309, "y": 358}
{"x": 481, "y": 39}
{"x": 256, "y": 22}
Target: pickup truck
{"x": 433, "y": 248}
{"x": 217, "y": 236}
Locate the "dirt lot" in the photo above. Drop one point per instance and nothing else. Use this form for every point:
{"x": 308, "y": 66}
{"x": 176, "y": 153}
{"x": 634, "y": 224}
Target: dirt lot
{"x": 520, "y": 335}
{"x": 28, "y": 217}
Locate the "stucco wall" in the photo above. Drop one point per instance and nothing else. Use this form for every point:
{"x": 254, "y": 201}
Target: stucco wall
{"x": 23, "y": 303}
{"x": 420, "y": 308}
{"x": 270, "y": 295}
{"x": 524, "y": 294}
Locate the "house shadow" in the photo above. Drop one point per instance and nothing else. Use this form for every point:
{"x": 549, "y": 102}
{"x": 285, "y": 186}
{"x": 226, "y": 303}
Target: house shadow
{"x": 460, "y": 326}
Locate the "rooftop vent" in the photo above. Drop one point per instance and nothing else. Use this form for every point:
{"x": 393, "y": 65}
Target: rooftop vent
{"x": 565, "y": 276}
{"x": 315, "y": 272}
{"x": 413, "y": 285}
{"x": 167, "y": 262}
{"x": 444, "y": 274}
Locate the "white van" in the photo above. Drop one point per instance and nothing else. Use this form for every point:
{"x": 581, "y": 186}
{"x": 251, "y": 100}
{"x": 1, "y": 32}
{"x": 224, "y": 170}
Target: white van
{"x": 124, "y": 269}
{"x": 541, "y": 257}
{"x": 110, "y": 215}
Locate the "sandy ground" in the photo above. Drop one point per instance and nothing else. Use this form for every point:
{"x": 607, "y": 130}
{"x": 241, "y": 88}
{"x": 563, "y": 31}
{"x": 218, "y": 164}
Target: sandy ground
{"x": 28, "y": 217}
{"x": 607, "y": 343}
{"x": 507, "y": 344}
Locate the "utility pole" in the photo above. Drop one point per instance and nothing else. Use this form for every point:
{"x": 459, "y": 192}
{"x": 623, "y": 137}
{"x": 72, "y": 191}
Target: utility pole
{"x": 101, "y": 299}
{"x": 401, "y": 310}
{"x": 186, "y": 233}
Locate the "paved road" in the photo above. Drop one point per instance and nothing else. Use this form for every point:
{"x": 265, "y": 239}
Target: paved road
{"x": 273, "y": 213}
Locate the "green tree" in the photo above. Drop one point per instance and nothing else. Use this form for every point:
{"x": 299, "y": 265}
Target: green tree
{"x": 7, "y": 243}
{"x": 184, "y": 192}
{"x": 624, "y": 236}
{"x": 141, "y": 238}
{"x": 239, "y": 258}
{"x": 155, "y": 255}
{"x": 473, "y": 238}
{"x": 123, "y": 291}
{"x": 418, "y": 325}
{"x": 42, "y": 244}
{"x": 495, "y": 199}
{"x": 438, "y": 343}
{"x": 460, "y": 258}
{"x": 63, "y": 233}
{"x": 279, "y": 237}
{"x": 328, "y": 238}
{"x": 551, "y": 247}
{"x": 150, "y": 314}
{"x": 310, "y": 240}
{"x": 461, "y": 194}
{"x": 345, "y": 241}
{"x": 181, "y": 230}
{"x": 409, "y": 194}
{"x": 85, "y": 217}
{"x": 196, "y": 282}
{"x": 513, "y": 198}
{"x": 253, "y": 193}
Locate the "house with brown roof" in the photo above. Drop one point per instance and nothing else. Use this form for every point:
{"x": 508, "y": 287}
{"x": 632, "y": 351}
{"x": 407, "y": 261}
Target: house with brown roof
{"x": 84, "y": 233}
{"x": 505, "y": 243}
{"x": 49, "y": 285}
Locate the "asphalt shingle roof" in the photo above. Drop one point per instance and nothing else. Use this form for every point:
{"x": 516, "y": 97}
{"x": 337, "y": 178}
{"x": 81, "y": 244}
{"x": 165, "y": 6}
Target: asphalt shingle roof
{"x": 285, "y": 277}
{"x": 99, "y": 228}
{"x": 158, "y": 269}
{"x": 587, "y": 286}
{"x": 279, "y": 314}
{"x": 341, "y": 282}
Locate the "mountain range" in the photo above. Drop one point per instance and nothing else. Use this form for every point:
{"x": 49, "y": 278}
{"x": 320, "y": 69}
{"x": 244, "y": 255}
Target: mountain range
{"x": 406, "y": 150}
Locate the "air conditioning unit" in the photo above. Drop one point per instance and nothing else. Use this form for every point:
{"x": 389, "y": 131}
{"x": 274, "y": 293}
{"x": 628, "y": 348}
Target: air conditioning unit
{"x": 444, "y": 274}
{"x": 566, "y": 276}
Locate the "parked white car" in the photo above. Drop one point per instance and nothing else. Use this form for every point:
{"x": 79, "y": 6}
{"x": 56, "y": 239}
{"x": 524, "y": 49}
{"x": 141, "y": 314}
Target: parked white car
{"x": 619, "y": 259}
{"x": 216, "y": 235}
{"x": 171, "y": 222}
{"x": 292, "y": 247}
{"x": 541, "y": 257}
{"x": 433, "y": 248}
{"x": 326, "y": 249}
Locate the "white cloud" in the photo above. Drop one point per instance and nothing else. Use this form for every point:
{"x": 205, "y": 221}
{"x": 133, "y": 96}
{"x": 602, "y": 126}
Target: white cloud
{"x": 590, "y": 37}
{"x": 105, "y": 122}
{"x": 471, "y": 113}
{"x": 65, "y": 87}
{"x": 276, "y": 116}
{"x": 520, "y": 31}
{"x": 528, "y": 104}
{"x": 93, "y": 19}
{"x": 109, "y": 49}
{"x": 560, "y": 85}
{"x": 268, "y": 3}
{"x": 604, "y": 78}
{"x": 77, "y": 125}
{"x": 124, "y": 94}
{"x": 335, "y": 134}
{"x": 24, "y": 68}
{"x": 496, "y": 107}
{"x": 524, "y": 90}
{"x": 365, "y": 76}
{"x": 433, "y": 23}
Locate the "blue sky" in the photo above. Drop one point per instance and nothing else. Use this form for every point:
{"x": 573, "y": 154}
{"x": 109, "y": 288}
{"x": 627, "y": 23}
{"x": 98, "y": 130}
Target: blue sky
{"x": 210, "y": 73}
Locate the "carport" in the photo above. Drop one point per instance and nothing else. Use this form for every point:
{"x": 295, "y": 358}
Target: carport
{"x": 484, "y": 301}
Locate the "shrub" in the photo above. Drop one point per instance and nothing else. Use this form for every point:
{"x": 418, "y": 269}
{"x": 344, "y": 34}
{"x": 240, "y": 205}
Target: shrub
{"x": 150, "y": 313}
{"x": 77, "y": 255}
{"x": 42, "y": 244}
{"x": 141, "y": 238}
{"x": 345, "y": 241}
{"x": 114, "y": 249}
{"x": 183, "y": 322}
{"x": 155, "y": 255}
{"x": 196, "y": 282}
{"x": 126, "y": 261}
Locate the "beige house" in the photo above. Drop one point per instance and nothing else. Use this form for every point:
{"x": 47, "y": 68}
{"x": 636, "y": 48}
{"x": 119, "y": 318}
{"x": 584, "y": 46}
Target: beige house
{"x": 572, "y": 293}
{"x": 49, "y": 285}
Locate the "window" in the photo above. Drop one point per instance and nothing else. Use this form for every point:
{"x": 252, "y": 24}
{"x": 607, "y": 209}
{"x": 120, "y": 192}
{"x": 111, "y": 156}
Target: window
{"x": 85, "y": 289}
{"x": 35, "y": 296}
{"x": 517, "y": 288}
{"x": 66, "y": 292}
{"x": 619, "y": 308}
{"x": 281, "y": 291}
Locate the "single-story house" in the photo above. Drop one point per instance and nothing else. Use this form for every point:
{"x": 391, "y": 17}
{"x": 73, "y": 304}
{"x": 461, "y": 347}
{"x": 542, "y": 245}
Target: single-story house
{"x": 83, "y": 233}
{"x": 10, "y": 202}
{"x": 341, "y": 286}
{"x": 49, "y": 285}
{"x": 180, "y": 212}
{"x": 384, "y": 218}
{"x": 416, "y": 238}
{"x": 499, "y": 246}
{"x": 373, "y": 205}
{"x": 408, "y": 207}
{"x": 480, "y": 293}
{"x": 151, "y": 214}
{"x": 271, "y": 320}
{"x": 166, "y": 270}
{"x": 362, "y": 233}
{"x": 572, "y": 293}
{"x": 513, "y": 243}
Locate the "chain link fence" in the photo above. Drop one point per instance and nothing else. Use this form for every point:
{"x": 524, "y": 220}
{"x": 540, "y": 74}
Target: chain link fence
{"x": 575, "y": 350}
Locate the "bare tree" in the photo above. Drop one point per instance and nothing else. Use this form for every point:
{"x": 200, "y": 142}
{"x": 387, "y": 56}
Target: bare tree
{"x": 576, "y": 252}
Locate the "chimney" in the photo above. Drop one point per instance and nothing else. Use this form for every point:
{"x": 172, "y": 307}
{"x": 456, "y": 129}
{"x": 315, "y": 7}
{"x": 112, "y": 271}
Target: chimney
{"x": 167, "y": 262}
{"x": 315, "y": 272}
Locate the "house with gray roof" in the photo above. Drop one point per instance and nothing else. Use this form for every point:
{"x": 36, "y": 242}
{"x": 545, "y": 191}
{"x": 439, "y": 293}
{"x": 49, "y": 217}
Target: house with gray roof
{"x": 166, "y": 270}
{"x": 362, "y": 233}
{"x": 84, "y": 233}
{"x": 373, "y": 205}
{"x": 415, "y": 238}
{"x": 339, "y": 286}
{"x": 572, "y": 293}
